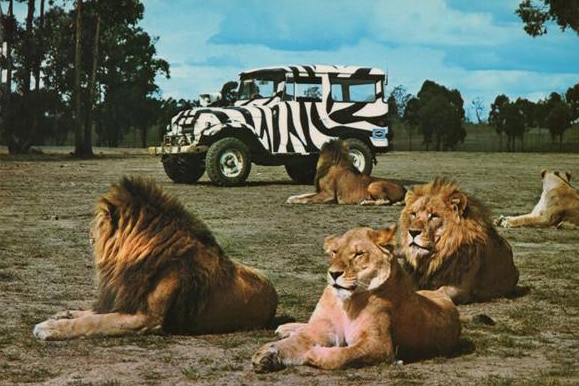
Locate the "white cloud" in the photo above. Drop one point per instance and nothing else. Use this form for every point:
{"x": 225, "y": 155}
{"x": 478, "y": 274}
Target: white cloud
{"x": 479, "y": 49}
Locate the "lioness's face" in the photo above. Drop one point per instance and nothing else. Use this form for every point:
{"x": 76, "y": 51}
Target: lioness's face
{"x": 423, "y": 222}
{"x": 359, "y": 259}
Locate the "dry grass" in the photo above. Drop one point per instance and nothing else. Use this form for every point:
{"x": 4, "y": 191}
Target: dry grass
{"x": 45, "y": 266}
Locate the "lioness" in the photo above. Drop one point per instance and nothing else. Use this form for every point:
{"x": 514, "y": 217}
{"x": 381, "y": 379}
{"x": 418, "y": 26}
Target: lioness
{"x": 368, "y": 313}
{"x": 449, "y": 242}
{"x": 558, "y": 205}
{"x": 338, "y": 181}
{"x": 161, "y": 269}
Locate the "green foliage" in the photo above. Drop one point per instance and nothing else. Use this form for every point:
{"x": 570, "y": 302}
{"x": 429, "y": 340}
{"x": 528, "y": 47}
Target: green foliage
{"x": 439, "y": 114}
{"x": 572, "y": 97}
{"x": 536, "y": 14}
{"x": 118, "y": 67}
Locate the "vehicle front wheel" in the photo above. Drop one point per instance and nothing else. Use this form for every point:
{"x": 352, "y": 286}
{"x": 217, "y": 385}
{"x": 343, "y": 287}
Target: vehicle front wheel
{"x": 361, "y": 155}
{"x": 228, "y": 162}
{"x": 183, "y": 168}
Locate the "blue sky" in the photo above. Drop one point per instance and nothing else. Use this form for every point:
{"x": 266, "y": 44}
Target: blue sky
{"x": 476, "y": 46}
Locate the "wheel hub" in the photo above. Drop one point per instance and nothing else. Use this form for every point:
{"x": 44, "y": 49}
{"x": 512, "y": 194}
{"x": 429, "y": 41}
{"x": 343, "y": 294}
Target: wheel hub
{"x": 231, "y": 164}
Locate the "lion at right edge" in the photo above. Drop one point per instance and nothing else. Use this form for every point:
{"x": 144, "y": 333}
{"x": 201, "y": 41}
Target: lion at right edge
{"x": 449, "y": 242}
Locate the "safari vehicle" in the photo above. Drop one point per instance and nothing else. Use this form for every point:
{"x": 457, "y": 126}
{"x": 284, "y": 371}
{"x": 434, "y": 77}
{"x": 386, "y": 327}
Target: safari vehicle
{"x": 282, "y": 116}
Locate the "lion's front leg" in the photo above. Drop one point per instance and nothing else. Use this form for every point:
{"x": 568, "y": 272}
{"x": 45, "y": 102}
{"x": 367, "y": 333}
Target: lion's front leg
{"x": 307, "y": 198}
{"x": 275, "y": 356}
{"x": 377, "y": 202}
{"x": 89, "y": 324}
{"x": 456, "y": 294}
{"x": 71, "y": 314}
{"x": 362, "y": 352}
{"x": 287, "y": 329}
{"x": 520, "y": 221}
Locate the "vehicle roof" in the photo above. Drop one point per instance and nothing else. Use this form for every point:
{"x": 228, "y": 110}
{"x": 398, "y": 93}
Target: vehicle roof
{"x": 317, "y": 69}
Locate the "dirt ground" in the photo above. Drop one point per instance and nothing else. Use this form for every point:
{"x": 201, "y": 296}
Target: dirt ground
{"x": 46, "y": 204}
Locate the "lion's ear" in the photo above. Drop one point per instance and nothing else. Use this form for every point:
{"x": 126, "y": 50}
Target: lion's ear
{"x": 458, "y": 201}
{"x": 329, "y": 240}
{"x": 409, "y": 197}
{"x": 543, "y": 172}
{"x": 568, "y": 174}
{"x": 385, "y": 238}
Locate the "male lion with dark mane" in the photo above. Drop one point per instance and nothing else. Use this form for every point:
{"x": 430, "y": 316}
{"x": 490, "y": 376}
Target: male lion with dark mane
{"x": 338, "y": 181}
{"x": 368, "y": 313}
{"x": 557, "y": 207}
{"x": 450, "y": 242}
{"x": 161, "y": 270}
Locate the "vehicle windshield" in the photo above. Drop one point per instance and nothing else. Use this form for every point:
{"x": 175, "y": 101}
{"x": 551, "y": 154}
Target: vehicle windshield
{"x": 258, "y": 87}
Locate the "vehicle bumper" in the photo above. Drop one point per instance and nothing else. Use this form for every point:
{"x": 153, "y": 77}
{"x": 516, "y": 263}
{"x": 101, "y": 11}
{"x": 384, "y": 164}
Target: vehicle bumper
{"x": 186, "y": 149}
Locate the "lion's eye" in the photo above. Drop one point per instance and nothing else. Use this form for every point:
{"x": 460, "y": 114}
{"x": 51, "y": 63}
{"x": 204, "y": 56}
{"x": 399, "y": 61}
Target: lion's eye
{"x": 358, "y": 254}
{"x": 413, "y": 215}
{"x": 433, "y": 216}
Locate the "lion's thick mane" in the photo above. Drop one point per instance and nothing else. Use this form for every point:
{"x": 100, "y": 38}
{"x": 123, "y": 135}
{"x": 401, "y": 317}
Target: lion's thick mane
{"x": 333, "y": 153}
{"x": 449, "y": 240}
{"x": 338, "y": 181}
{"x": 160, "y": 268}
{"x": 141, "y": 232}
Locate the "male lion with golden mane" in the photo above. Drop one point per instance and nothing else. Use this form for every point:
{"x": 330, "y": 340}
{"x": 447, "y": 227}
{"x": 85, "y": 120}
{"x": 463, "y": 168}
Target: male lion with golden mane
{"x": 450, "y": 242}
{"x": 161, "y": 270}
{"x": 338, "y": 181}
{"x": 368, "y": 313}
{"x": 558, "y": 205}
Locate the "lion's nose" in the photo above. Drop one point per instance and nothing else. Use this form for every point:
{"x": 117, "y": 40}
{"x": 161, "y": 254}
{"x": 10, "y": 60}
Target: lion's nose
{"x": 414, "y": 232}
{"x": 336, "y": 274}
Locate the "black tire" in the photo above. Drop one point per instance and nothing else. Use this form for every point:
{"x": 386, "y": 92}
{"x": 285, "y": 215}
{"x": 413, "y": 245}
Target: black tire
{"x": 183, "y": 168}
{"x": 302, "y": 171}
{"x": 361, "y": 155}
{"x": 228, "y": 162}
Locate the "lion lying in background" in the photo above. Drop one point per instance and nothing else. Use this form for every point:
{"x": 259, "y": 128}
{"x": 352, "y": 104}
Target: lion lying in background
{"x": 368, "y": 313}
{"x": 161, "y": 269}
{"x": 338, "y": 181}
{"x": 558, "y": 205}
{"x": 449, "y": 242}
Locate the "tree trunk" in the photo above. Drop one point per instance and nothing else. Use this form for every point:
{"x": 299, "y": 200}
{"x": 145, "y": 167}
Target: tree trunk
{"x": 92, "y": 86}
{"x": 37, "y": 57}
{"x": 82, "y": 148}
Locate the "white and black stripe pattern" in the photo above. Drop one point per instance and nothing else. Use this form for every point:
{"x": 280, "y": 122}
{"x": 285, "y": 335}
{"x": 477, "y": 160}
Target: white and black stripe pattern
{"x": 296, "y": 126}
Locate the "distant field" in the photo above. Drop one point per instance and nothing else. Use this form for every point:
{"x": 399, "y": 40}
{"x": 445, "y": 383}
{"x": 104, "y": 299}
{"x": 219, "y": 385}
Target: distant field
{"x": 484, "y": 138}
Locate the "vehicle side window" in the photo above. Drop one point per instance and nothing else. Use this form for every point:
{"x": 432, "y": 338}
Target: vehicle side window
{"x": 304, "y": 89}
{"x": 257, "y": 88}
{"x": 353, "y": 90}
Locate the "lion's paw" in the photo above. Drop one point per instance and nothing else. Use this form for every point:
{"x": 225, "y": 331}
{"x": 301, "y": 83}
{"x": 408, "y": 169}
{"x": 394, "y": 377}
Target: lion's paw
{"x": 503, "y": 221}
{"x": 47, "y": 330}
{"x": 287, "y": 329}
{"x": 267, "y": 359}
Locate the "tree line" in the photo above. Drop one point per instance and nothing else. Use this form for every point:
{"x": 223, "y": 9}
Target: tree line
{"x": 79, "y": 66}
{"x": 437, "y": 113}
{"x": 85, "y": 66}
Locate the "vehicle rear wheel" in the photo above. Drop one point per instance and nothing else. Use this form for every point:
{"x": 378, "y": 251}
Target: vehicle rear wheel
{"x": 302, "y": 171}
{"x": 228, "y": 162}
{"x": 183, "y": 168}
{"x": 361, "y": 155}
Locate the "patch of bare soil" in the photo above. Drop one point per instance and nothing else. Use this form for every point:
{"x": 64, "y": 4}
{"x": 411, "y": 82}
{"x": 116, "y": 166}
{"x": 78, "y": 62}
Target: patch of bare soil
{"x": 46, "y": 204}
